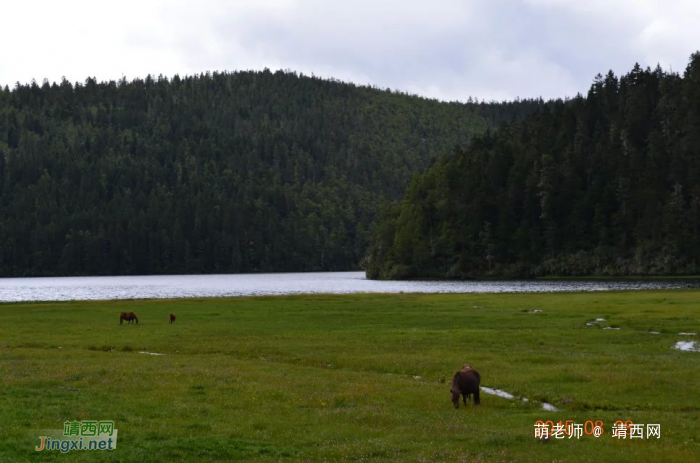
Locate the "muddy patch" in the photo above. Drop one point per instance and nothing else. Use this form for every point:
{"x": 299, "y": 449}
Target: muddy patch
{"x": 530, "y": 310}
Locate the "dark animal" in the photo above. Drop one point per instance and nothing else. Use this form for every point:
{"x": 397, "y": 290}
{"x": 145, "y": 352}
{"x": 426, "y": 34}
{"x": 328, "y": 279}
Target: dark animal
{"x": 129, "y": 317}
{"x": 465, "y": 382}
{"x": 172, "y": 318}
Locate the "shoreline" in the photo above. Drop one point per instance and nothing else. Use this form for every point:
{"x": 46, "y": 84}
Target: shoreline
{"x": 321, "y": 295}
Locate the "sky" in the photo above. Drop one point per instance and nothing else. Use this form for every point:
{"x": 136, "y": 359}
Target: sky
{"x": 444, "y": 49}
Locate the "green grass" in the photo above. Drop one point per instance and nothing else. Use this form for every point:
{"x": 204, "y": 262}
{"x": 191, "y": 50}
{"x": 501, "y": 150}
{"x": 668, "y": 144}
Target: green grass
{"x": 352, "y": 378}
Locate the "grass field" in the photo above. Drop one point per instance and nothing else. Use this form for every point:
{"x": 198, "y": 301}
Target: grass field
{"x": 353, "y": 377}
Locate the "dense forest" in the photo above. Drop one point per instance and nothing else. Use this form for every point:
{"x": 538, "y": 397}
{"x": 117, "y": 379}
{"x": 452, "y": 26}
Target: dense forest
{"x": 222, "y": 172}
{"x": 606, "y": 184}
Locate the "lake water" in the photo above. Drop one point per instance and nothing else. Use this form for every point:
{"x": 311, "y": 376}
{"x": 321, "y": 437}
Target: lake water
{"x": 178, "y": 286}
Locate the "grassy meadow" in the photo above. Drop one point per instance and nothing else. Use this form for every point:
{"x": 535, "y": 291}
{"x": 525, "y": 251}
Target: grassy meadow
{"x": 353, "y": 377}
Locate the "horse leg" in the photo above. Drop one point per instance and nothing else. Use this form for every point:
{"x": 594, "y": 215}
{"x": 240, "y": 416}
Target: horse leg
{"x": 477, "y": 401}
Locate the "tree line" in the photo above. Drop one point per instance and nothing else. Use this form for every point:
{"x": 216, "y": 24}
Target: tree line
{"x": 217, "y": 172}
{"x": 602, "y": 184}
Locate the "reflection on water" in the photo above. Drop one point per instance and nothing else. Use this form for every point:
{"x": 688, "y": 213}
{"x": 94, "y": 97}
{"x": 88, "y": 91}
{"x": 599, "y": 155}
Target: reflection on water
{"x": 177, "y": 286}
{"x": 686, "y": 346}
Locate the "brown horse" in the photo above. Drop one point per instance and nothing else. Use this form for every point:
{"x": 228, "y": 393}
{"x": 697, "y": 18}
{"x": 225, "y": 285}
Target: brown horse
{"x": 172, "y": 318}
{"x": 465, "y": 383}
{"x": 129, "y": 317}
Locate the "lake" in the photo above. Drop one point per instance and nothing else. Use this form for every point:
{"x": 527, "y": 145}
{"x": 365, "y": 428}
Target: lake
{"x": 179, "y": 286}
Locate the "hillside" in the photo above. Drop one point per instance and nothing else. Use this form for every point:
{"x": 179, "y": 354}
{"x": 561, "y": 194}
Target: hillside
{"x": 606, "y": 184}
{"x": 222, "y": 172}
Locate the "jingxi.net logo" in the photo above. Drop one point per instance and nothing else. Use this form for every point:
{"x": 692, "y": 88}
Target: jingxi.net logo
{"x": 80, "y": 435}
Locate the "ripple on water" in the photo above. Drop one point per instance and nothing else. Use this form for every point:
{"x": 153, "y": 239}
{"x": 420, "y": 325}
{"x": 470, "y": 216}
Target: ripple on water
{"x": 180, "y": 286}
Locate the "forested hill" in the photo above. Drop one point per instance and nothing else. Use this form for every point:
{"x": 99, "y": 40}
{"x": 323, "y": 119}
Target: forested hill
{"x": 607, "y": 184}
{"x": 223, "y": 172}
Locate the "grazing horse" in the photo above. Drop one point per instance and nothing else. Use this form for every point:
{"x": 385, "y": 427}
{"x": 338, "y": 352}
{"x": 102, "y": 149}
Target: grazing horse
{"x": 465, "y": 383}
{"x": 129, "y": 317}
{"x": 172, "y": 318}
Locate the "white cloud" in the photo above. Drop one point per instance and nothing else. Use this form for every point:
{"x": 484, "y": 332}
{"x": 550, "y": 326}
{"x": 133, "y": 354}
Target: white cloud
{"x": 446, "y": 49}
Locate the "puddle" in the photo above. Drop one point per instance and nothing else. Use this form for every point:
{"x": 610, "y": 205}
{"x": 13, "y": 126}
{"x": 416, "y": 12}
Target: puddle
{"x": 687, "y": 334}
{"x": 506, "y": 395}
{"x": 595, "y": 322}
{"x": 654, "y": 332}
{"x": 150, "y": 353}
{"x": 498, "y": 392}
{"x": 686, "y": 346}
{"x": 610, "y": 328}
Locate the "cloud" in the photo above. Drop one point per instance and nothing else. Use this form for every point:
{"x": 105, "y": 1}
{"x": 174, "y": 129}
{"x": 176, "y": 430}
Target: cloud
{"x": 445, "y": 49}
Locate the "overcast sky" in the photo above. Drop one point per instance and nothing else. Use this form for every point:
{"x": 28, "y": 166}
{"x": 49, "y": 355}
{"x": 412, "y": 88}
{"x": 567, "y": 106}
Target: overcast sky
{"x": 446, "y": 49}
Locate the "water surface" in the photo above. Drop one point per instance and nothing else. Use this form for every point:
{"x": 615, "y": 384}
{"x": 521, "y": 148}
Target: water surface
{"x": 178, "y": 286}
